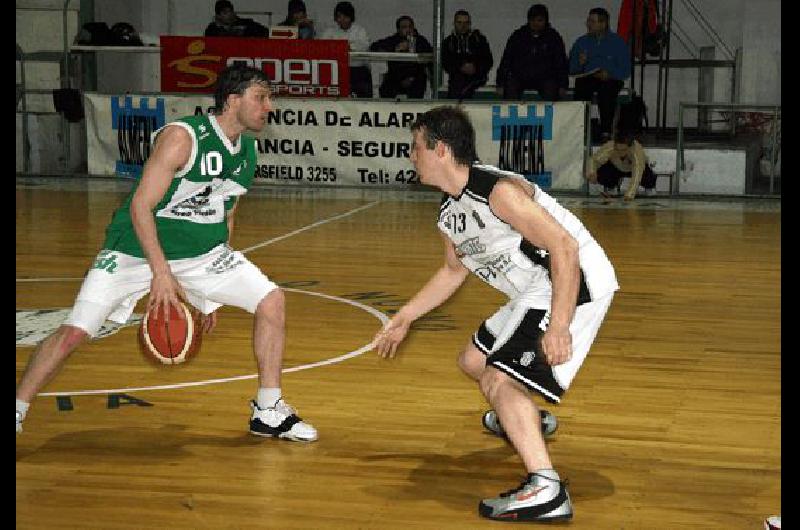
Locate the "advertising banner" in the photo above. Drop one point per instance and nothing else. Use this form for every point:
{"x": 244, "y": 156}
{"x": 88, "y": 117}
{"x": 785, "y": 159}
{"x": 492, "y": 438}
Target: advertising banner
{"x": 349, "y": 143}
{"x": 308, "y": 68}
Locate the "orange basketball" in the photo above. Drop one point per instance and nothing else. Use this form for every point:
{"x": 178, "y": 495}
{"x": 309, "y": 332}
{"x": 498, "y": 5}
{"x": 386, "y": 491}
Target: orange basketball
{"x": 173, "y": 340}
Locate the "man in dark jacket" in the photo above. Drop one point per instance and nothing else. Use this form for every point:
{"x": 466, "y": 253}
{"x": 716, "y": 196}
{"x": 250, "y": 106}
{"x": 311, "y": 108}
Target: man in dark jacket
{"x": 404, "y": 77}
{"x": 227, "y": 24}
{"x": 534, "y": 58}
{"x": 466, "y": 57}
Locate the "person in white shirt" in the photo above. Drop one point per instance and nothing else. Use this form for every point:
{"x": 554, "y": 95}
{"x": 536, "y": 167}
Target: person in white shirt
{"x": 559, "y": 282}
{"x": 346, "y": 29}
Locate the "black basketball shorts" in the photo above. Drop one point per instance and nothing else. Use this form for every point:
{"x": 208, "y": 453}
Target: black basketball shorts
{"x": 511, "y": 340}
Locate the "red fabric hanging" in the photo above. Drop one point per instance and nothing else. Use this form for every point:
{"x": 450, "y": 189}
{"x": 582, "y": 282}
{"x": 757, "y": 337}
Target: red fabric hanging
{"x": 625, "y": 25}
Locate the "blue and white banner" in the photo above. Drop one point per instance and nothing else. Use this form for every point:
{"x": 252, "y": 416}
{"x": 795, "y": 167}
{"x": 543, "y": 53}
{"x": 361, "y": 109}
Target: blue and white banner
{"x": 349, "y": 142}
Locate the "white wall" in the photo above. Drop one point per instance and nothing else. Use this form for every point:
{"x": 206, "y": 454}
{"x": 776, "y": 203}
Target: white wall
{"x": 762, "y": 52}
{"x": 37, "y": 30}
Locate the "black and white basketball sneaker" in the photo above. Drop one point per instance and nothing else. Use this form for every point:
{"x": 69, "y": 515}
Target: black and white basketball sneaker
{"x": 538, "y": 498}
{"x": 492, "y": 423}
{"x": 19, "y": 422}
{"x": 280, "y": 421}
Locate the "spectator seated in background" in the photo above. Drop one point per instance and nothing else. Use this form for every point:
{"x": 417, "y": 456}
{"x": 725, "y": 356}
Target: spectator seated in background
{"x": 404, "y": 77}
{"x": 466, "y": 57}
{"x": 534, "y": 58}
{"x": 344, "y": 14}
{"x": 621, "y": 157}
{"x": 603, "y": 61}
{"x": 298, "y": 16}
{"x": 227, "y": 24}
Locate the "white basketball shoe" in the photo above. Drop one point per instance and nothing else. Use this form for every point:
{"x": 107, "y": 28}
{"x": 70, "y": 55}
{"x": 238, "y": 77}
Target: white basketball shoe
{"x": 280, "y": 421}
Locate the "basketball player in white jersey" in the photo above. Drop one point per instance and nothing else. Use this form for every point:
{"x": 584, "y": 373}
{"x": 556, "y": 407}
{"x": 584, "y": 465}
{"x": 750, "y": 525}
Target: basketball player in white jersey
{"x": 559, "y": 282}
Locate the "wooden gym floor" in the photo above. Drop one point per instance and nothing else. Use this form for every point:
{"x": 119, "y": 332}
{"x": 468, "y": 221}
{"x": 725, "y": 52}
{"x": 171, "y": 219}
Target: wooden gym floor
{"x": 674, "y": 420}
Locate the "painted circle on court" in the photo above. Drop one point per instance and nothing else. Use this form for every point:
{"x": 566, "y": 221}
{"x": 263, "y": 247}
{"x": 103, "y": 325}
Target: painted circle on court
{"x": 333, "y": 360}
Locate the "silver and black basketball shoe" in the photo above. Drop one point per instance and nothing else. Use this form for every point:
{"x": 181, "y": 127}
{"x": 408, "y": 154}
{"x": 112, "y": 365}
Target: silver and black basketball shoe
{"x": 492, "y": 423}
{"x": 538, "y": 498}
{"x": 280, "y": 421}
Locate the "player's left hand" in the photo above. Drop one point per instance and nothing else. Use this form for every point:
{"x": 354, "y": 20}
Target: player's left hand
{"x": 557, "y": 345}
{"x": 392, "y": 334}
{"x": 208, "y": 322}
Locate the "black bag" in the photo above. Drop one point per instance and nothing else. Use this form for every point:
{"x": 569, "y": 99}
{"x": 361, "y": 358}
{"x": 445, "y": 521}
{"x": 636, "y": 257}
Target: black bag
{"x": 95, "y": 34}
{"x": 632, "y": 115}
{"x": 653, "y": 42}
{"x": 124, "y": 34}
{"x": 68, "y": 101}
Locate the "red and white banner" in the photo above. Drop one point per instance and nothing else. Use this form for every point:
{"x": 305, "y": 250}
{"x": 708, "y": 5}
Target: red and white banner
{"x": 304, "y": 68}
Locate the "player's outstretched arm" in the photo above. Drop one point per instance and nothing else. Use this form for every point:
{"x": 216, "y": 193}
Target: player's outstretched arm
{"x": 512, "y": 202}
{"x": 439, "y": 288}
{"x": 171, "y": 152}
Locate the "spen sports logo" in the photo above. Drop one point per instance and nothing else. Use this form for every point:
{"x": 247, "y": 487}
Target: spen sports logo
{"x": 135, "y": 127}
{"x": 522, "y": 141}
{"x": 307, "y": 69}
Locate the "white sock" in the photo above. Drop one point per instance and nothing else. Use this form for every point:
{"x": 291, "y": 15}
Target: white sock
{"x": 552, "y": 474}
{"x": 22, "y": 408}
{"x": 267, "y": 397}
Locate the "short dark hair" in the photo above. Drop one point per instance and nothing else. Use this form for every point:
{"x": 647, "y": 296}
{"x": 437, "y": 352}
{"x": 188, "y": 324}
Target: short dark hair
{"x": 462, "y": 12}
{"x": 451, "y": 126}
{"x": 296, "y": 6}
{"x": 222, "y": 5}
{"x": 624, "y": 136}
{"x": 346, "y": 9}
{"x": 600, "y": 12}
{"x": 235, "y": 79}
{"x": 402, "y": 18}
{"x": 539, "y": 10}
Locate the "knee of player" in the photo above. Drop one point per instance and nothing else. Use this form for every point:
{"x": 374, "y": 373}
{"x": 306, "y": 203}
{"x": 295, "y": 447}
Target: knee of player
{"x": 273, "y": 306}
{"x": 469, "y": 365}
{"x": 66, "y": 338}
{"x": 463, "y": 362}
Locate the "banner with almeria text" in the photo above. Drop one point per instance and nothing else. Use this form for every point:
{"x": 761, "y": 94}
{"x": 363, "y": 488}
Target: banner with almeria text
{"x": 349, "y": 142}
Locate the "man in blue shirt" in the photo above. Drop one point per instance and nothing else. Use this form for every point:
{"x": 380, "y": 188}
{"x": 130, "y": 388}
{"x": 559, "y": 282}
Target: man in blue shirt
{"x": 600, "y": 62}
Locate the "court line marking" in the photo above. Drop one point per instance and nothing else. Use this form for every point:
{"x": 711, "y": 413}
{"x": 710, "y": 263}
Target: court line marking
{"x": 309, "y": 227}
{"x": 333, "y": 360}
{"x": 383, "y": 318}
{"x": 244, "y": 251}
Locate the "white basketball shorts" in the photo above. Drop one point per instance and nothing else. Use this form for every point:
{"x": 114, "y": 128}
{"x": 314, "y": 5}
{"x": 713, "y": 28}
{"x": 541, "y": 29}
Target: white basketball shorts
{"x": 117, "y": 281}
{"x": 511, "y": 341}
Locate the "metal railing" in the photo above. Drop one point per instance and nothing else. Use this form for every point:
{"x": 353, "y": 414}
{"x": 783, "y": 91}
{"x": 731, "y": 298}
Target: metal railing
{"x": 734, "y": 108}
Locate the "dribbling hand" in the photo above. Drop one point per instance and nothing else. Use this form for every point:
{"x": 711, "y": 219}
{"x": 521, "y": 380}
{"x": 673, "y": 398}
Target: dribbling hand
{"x": 392, "y": 334}
{"x": 165, "y": 291}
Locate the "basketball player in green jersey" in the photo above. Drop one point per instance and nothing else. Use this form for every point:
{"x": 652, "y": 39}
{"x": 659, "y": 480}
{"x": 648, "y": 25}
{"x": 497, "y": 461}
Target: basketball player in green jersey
{"x": 171, "y": 237}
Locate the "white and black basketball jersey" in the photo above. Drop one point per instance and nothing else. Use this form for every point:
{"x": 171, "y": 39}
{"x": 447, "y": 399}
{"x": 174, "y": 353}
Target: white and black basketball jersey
{"x": 500, "y": 256}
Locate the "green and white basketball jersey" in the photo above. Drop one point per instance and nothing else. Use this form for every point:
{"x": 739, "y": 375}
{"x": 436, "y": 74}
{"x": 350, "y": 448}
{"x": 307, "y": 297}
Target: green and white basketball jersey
{"x": 190, "y": 219}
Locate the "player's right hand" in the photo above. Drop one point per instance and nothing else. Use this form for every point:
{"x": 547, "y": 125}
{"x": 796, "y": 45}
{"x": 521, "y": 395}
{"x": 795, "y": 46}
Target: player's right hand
{"x": 165, "y": 291}
{"x": 392, "y": 334}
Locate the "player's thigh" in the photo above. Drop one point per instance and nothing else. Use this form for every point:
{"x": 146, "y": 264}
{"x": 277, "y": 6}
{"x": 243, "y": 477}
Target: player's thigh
{"x": 224, "y": 277}
{"x": 110, "y": 291}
